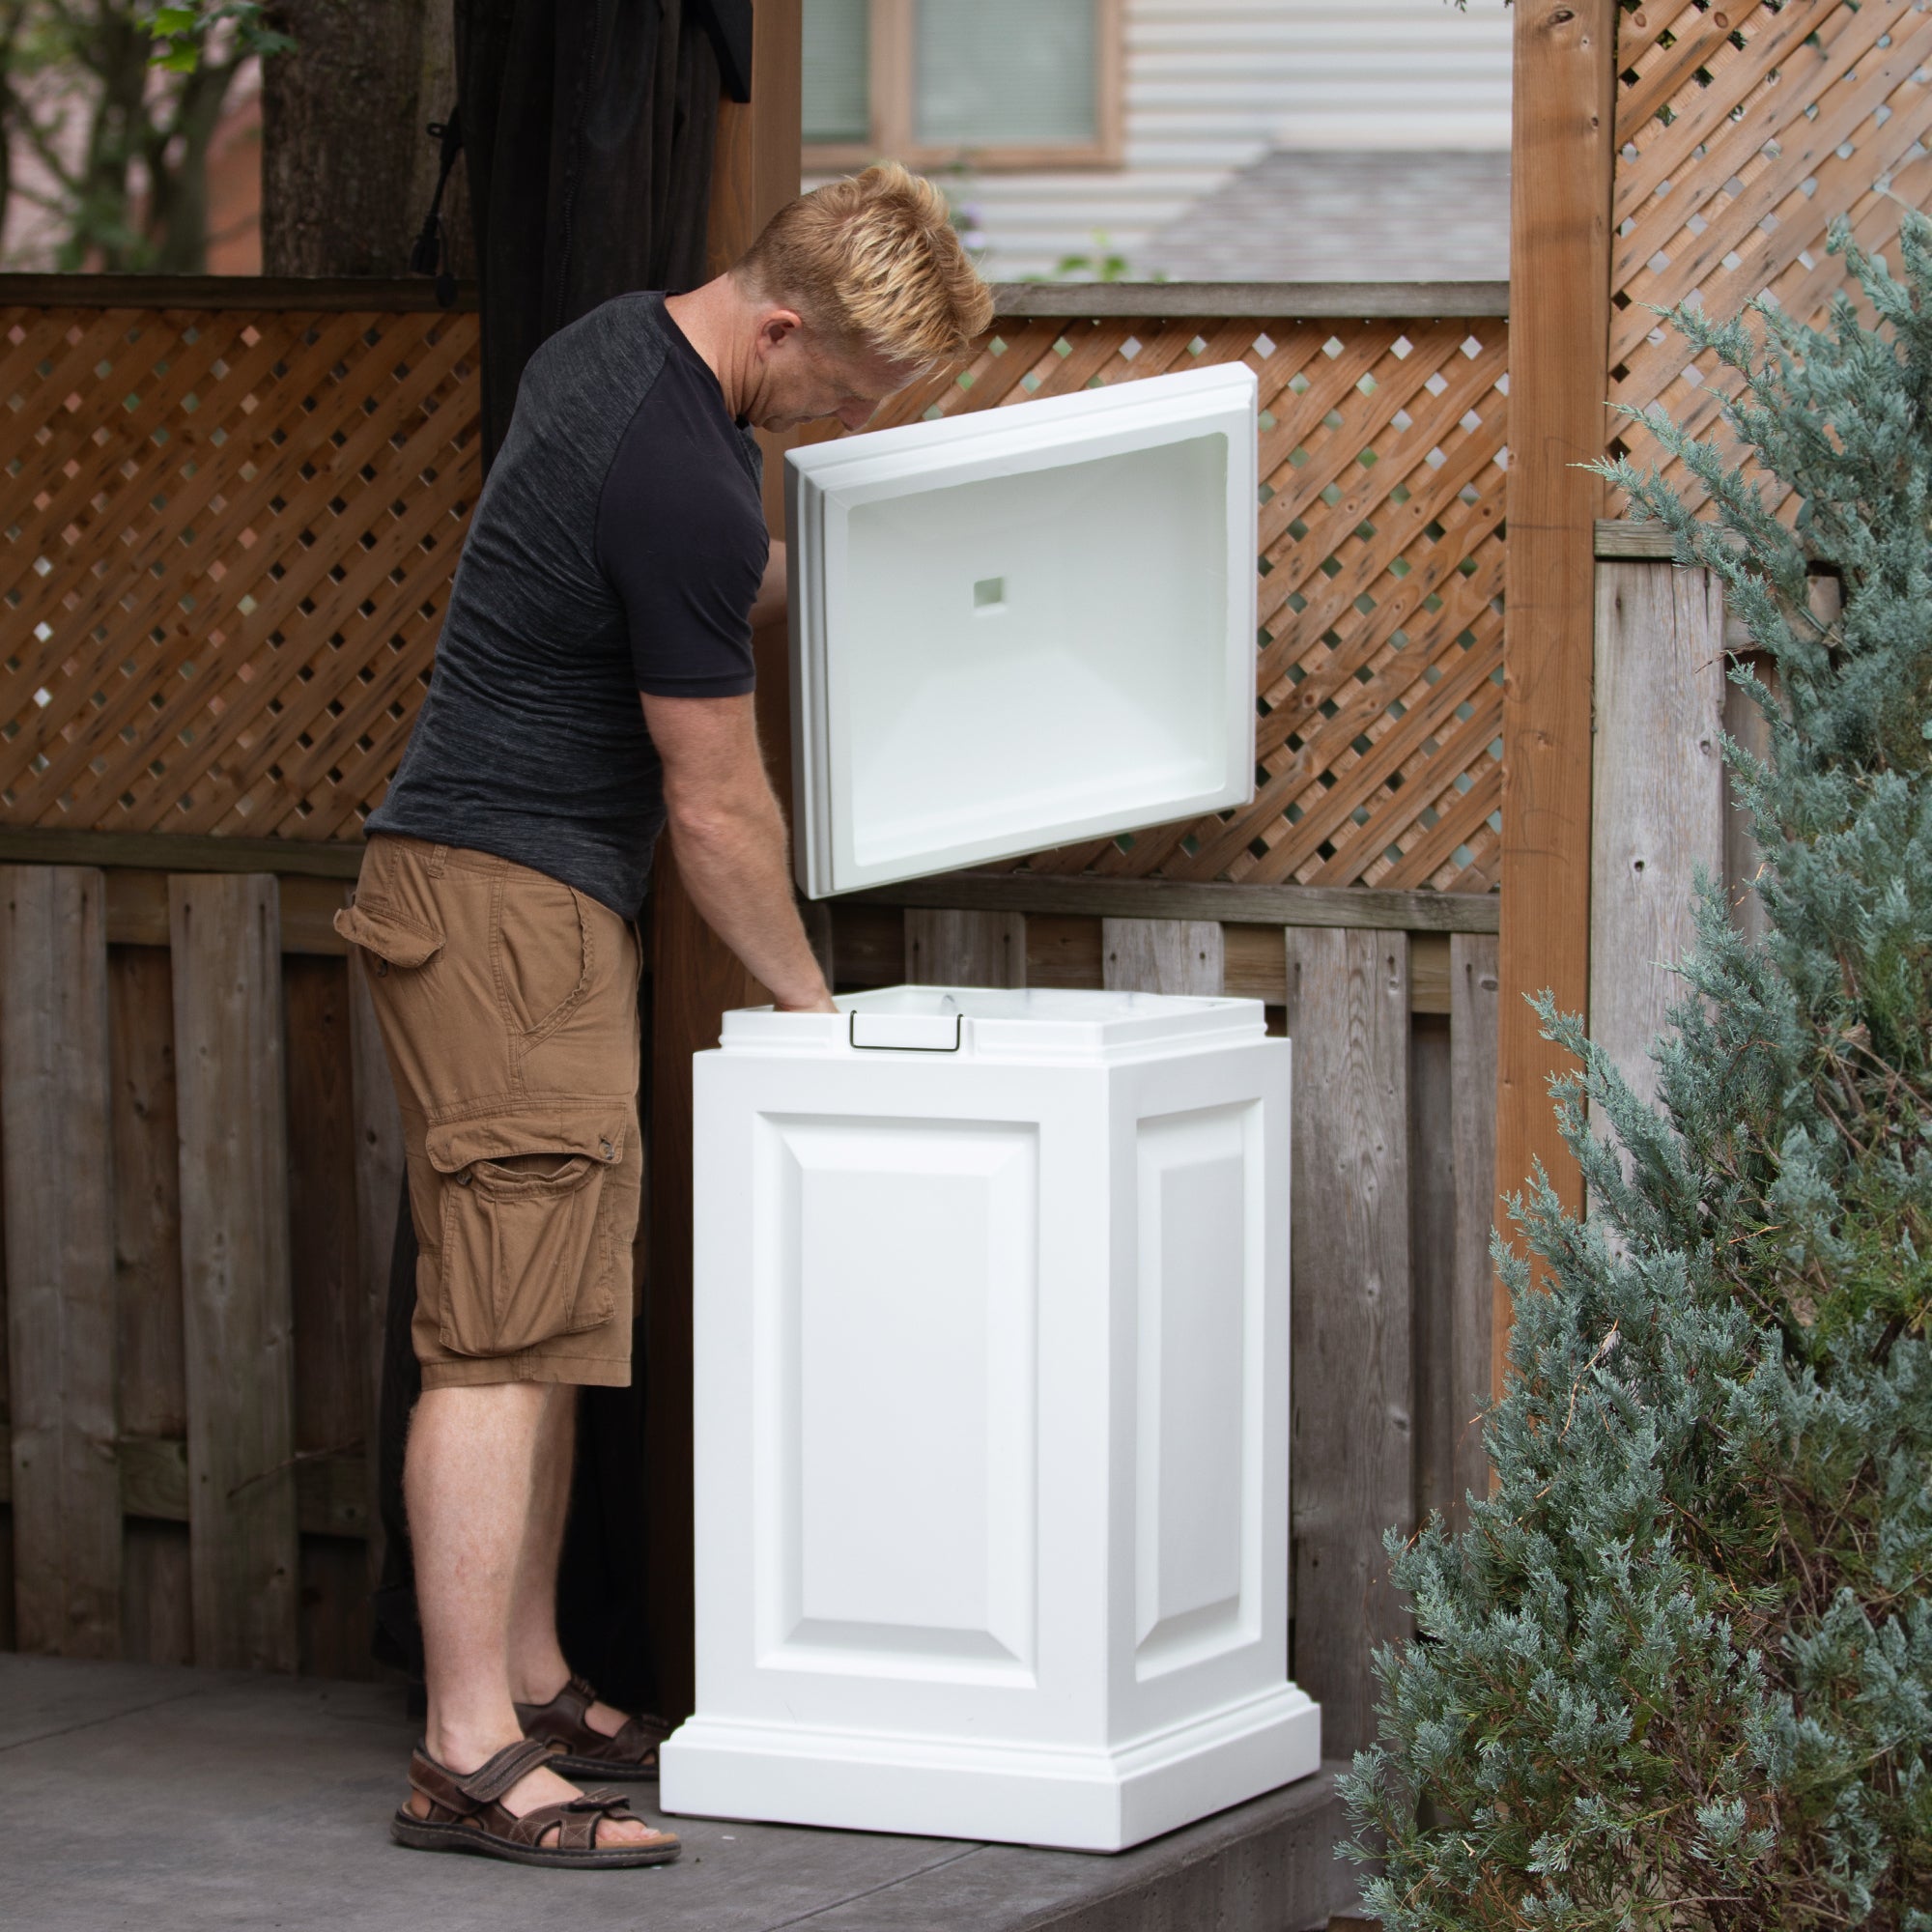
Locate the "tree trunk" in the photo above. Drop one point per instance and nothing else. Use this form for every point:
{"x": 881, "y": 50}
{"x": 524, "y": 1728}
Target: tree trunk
{"x": 342, "y": 134}
{"x": 177, "y": 207}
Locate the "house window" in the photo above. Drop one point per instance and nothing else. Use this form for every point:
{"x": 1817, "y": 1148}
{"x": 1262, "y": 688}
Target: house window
{"x": 988, "y": 83}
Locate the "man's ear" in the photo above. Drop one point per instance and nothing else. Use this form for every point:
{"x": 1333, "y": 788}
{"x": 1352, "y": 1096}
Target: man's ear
{"x": 776, "y": 325}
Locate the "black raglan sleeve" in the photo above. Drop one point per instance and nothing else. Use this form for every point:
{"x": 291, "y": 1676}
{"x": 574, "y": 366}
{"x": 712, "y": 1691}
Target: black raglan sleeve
{"x": 683, "y": 543}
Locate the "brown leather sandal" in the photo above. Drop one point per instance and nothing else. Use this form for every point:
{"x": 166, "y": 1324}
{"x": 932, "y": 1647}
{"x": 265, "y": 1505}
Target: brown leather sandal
{"x": 565, "y": 1722}
{"x": 467, "y": 1814}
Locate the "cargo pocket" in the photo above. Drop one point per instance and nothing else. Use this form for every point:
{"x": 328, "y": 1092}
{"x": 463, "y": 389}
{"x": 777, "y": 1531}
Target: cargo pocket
{"x": 522, "y": 1260}
{"x": 390, "y": 938}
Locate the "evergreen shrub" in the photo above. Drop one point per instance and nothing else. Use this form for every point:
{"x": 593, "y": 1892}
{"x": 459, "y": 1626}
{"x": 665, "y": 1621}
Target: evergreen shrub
{"x": 1677, "y": 1671}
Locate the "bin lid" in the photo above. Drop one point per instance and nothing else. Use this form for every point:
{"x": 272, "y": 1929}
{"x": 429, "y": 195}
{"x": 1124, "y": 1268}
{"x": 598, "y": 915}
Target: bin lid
{"x": 1022, "y": 626}
{"x": 998, "y": 1023}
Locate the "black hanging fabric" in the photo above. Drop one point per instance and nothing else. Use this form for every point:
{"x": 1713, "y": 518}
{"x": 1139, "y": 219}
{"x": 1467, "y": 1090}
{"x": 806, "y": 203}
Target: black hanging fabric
{"x": 588, "y": 127}
{"x": 589, "y": 124}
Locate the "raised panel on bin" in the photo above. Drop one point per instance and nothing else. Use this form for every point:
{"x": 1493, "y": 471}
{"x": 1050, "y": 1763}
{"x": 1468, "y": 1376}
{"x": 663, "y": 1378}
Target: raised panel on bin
{"x": 897, "y": 1471}
{"x": 1022, "y": 626}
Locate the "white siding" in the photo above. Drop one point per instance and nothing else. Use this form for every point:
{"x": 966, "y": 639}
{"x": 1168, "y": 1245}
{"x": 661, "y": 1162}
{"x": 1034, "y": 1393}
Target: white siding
{"x": 1213, "y": 85}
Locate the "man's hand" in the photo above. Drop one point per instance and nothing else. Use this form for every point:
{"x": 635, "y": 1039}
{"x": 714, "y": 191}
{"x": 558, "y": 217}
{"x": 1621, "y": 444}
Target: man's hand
{"x": 730, "y": 837}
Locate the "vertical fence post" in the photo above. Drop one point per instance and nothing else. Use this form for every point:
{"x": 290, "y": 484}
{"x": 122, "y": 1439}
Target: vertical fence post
{"x": 60, "y": 1260}
{"x": 1657, "y": 794}
{"x": 1563, "y": 145}
{"x": 1351, "y": 1462}
{"x": 237, "y": 1298}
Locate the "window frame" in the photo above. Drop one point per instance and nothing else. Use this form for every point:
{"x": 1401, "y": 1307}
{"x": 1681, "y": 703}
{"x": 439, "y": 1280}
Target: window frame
{"x": 890, "y": 37}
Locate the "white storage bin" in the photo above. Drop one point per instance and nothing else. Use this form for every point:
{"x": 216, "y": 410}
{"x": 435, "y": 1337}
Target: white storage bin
{"x": 991, "y": 1345}
{"x": 1019, "y": 627}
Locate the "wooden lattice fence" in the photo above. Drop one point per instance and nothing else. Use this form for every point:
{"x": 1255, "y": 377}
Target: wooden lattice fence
{"x": 1744, "y": 128}
{"x": 228, "y": 537}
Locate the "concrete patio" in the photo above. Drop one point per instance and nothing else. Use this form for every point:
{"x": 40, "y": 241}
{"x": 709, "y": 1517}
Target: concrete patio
{"x": 179, "y": 1800}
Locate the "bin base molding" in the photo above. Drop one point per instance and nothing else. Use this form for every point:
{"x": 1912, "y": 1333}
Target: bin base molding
{"x": 1097, "y": 1801}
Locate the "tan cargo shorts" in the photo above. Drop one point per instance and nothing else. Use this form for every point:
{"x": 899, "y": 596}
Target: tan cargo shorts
{"x": 508, "y": 1003}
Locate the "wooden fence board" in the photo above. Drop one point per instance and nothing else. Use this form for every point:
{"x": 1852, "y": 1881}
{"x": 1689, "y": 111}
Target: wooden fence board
{"x": 1658, "y": 806}
{"x": 965, "y": 949}
{"x": 1351, "y": 1473}
{"x": 54, "y": 1093}
{"x": 1162, "y": 956}
{"x": 378, "y": 1184}
{"x": 157, "y": 1617}
{"x": 237, "y": 1295}
{"x": 1473, "y": 1130}
{"x": 7, "y": 1629}
{"x": 1181, "y": 898}
{"x": 1431, "y": 1248}
{"x": 331, "y": 1339}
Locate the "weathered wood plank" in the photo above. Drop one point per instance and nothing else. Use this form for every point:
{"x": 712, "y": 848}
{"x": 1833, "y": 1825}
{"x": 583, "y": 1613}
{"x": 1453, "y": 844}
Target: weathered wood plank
{"x": 180, "y": 852}
{"x": 155, "y": 1608}
{"x": 7, "y": 1637}
{"x": 331, "y": 1490}
{"x": 137, "y": 911}
{"x": 375, "y": 294}
{"x": 1431, "y": 1248}
{"x": 1063, "y": 949}
{"x": 332, "y": 1344}
{"x": 965, "y": 949}
{"x": 1473, "y": 1134}
{"x": 58, "y": 1157}
{"x": 378, "y": 1184}
{"x": 1657, "y": 807}
{"x": 1352, "y": 1468}
{"x": 1278, "y": 301}
{"x": 1632, "y": 538}
{"x": 1162, "y": 956}
{"x": 1353, "y": 906}
{"x": 157, "y": 1598}
{"x": 1563, "y": 140}
{"x": 235, "y": 1293}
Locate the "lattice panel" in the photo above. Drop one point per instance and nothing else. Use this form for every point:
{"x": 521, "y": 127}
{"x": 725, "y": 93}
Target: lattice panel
{"x": 228, "y": 539}
{"x": 1744, "y": 128}
{"x": 1382, "y": 647}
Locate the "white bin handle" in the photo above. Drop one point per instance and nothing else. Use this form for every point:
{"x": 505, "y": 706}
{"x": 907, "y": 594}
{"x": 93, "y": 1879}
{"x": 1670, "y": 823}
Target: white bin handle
{"x": 905, "y": 1032}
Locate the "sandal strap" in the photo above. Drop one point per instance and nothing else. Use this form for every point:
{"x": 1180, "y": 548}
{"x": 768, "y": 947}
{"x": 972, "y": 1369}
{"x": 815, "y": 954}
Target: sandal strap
{"x": 570, "y": 1707}
{"x": 576, "y": 1820}
{"x": 466, "y": 1793}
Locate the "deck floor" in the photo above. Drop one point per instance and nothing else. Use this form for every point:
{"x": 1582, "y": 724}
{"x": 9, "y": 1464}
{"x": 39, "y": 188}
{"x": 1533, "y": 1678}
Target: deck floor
{"x": 181, "y": 1800}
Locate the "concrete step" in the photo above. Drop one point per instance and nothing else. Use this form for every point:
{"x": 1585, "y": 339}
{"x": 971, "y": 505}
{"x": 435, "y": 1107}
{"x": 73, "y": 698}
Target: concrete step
{"x": 185, "y": 1800}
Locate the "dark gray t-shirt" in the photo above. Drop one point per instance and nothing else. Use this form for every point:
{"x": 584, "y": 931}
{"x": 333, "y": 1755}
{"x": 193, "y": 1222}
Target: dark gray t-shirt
{"x": 617, "y": 546}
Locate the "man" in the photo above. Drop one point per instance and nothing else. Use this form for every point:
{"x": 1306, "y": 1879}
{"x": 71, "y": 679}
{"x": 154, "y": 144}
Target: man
{"x": 592, "y": 687}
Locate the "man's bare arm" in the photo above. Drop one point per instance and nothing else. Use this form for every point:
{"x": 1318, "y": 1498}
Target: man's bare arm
{"x": 730, "y": 837}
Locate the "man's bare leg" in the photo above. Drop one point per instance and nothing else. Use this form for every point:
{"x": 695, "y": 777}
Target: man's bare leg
{"x": 468, "y": 1482}
{"x": 538, "y": 1669}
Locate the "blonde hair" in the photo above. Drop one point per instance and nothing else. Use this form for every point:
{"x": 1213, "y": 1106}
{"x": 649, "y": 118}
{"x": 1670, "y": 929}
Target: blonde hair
{"x": 874, "y": 262}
